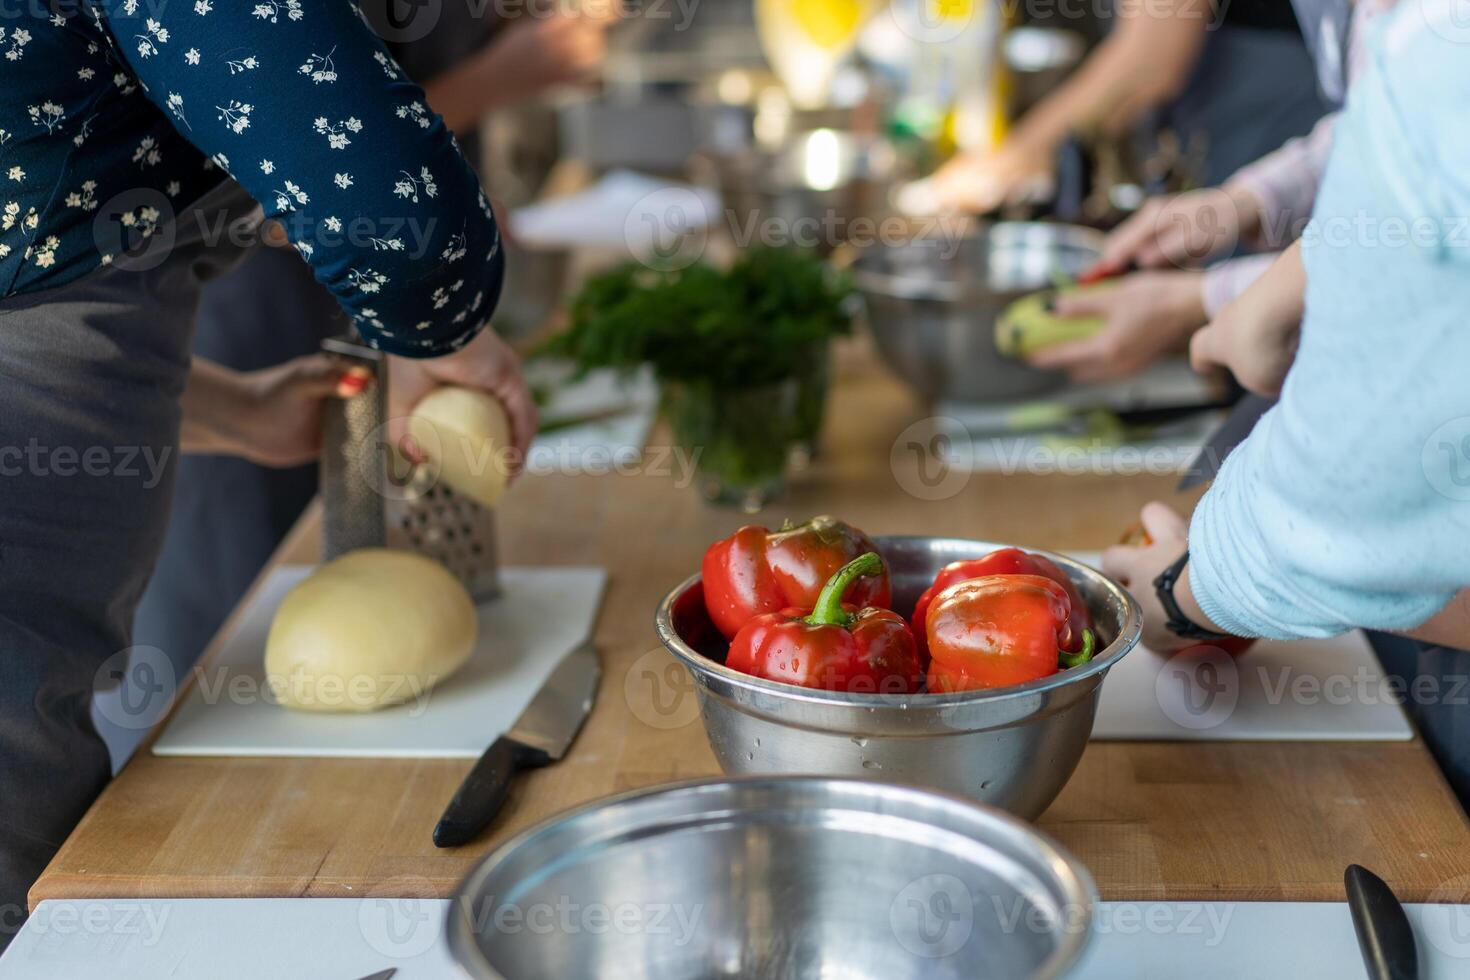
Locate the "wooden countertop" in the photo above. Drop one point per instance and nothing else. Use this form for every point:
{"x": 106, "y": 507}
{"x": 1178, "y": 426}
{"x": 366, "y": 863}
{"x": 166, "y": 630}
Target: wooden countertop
{"x": 1153, "y": 821}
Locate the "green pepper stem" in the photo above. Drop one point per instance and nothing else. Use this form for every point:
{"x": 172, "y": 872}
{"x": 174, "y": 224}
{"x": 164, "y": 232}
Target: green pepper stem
{"x": 1089, "y": 645}
{"x": 828, "y": 610}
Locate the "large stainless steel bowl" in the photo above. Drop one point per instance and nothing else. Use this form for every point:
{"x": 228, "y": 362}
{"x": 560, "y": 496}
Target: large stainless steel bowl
{"x": 932, "y": 302}
{"x": 775, "y": 879}
{"x": 1012, "y": 747}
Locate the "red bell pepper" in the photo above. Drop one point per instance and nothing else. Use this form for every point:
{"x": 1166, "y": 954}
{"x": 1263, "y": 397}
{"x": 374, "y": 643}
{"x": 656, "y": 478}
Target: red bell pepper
{"x": 834, "y": 648}
{"x": 754, "y": 571}
{"x": 1001, "y": 630}
{"x": 1005, "y": 561}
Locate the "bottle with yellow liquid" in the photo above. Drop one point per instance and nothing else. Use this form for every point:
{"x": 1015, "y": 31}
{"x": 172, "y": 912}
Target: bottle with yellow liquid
{"x": 957, "y": 76}
{"x": 805, "y": 41}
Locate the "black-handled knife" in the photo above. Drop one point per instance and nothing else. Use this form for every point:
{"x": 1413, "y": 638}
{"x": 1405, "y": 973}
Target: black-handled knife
{"x": 1384, "y": 933}
{"x": 540, "y": 736}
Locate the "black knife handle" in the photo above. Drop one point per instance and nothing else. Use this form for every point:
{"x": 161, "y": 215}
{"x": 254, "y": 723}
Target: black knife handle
{"x": 483, "y": 792}
{"x": 1384, "y": 933}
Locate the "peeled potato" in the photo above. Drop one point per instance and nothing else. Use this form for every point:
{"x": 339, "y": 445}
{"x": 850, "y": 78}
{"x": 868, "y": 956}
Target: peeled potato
{"x": 373, "y": 628}
{"x": 466, "y": 434}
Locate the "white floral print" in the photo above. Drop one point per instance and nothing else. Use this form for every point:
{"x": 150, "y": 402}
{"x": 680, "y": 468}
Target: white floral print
{"x": 271, "y": 10}
{"x": 295, "y": 87}
{"x": 47, "y": 114}
{"x": 290, "y": 196}
{"x": 85, "y": 198}
{"x": 153, "y": 32}
{"x": 236, "y": 115}
{"x": 147, "y": 153}
{"x": 336, "y": 133}
{"x": 408, "y": 185}
{"x": 416, "y": 112}
{"x": 15, "y": 44}
{"x": 320, "y": 68}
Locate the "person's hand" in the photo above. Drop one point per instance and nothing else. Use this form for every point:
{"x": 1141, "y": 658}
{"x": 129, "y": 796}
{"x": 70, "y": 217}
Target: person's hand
{"x": 979, "y": 182}
{"x": 1147, "y": 315}
{"x": 1136, "y": 567}
{"x": 276, "y": 413}
{"x": 1255, "y": 335}
{"x": 539, "y": 53}
{"x": 485, "y": 363}
{"x": 1181, "y": 231}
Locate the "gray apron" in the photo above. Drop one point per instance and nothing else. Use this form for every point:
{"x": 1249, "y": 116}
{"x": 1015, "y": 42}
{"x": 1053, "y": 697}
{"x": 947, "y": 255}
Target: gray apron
{"x": 90, "y": 377}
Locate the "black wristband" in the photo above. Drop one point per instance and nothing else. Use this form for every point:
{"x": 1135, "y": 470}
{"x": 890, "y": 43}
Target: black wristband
{"x": 1178, "y": 623}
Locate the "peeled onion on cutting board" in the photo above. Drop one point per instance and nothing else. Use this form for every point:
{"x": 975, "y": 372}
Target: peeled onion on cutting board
{"x": 374, "y": 628}
{"x": 465, "y": 433}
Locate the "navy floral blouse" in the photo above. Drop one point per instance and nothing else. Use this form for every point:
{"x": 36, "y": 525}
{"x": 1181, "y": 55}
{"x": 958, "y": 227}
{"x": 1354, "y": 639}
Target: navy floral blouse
{"x": 117, "y": 115}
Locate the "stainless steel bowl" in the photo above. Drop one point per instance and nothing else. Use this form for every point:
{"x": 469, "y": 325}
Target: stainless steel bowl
{"x": 1013, "y": 747}
{"x": 785, "y": 879}
{"x": 932, "y": 303}
{"x": 820, "y": 189}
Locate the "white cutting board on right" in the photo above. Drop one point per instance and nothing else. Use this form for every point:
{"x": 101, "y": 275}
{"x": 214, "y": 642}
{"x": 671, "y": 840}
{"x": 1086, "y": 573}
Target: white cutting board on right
{"x": 1278, "y": 690}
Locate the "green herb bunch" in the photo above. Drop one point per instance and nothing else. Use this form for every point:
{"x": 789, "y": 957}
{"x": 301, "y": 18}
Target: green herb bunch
{"x": 757, "y": 323}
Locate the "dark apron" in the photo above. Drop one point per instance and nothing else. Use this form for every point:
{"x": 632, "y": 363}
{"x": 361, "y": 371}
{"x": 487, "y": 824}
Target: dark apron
{"x": 230, "y": 514}
{"x": 90, "y": 377}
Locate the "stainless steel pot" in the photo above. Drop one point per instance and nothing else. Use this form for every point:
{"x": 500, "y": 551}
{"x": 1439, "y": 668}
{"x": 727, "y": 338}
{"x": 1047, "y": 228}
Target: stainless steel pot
{"x": 1013, "y": 747}
{"x": 777, "y": 879}
{"x": 932, "y": 302}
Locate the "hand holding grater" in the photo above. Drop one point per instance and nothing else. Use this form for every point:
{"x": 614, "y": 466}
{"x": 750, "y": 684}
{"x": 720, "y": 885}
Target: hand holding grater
{"x": 373, "y": 497}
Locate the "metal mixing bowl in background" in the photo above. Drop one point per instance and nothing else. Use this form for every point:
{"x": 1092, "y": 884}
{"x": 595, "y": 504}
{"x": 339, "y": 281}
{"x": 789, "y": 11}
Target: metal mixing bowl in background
{"x": 932, "y": 302}
{"x": 1012, "y": 747}
{"x": 775, "y": 879}
{"x": 811, "y": 191}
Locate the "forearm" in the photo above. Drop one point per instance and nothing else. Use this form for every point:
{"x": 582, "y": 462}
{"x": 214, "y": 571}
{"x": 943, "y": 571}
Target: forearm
{"x": 1450, "y": 626}
{"x": 1109, "y": 88}
{"x": 471, "y": 88}
{"x": 212, "y": 405}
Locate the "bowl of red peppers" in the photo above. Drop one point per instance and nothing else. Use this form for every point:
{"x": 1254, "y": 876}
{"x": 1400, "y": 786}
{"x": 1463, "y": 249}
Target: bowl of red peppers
{"x": 963, "y": 665}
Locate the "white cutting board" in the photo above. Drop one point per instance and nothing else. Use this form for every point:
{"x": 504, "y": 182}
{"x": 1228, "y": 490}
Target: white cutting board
{"x": 349, "y": 938}
{"x": 542, "y": 614}
{"x": 1279, "y": 690}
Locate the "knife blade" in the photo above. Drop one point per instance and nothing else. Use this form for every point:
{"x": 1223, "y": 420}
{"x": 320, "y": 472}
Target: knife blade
{"x": 1384, "y": 933}
{"x": 540, "y": 736}
{"x": 1231, "y": 433}
{"x": 382, "y": 974}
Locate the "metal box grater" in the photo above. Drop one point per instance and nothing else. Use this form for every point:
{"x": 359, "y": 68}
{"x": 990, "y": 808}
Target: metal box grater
{"x": 373, "y": 498}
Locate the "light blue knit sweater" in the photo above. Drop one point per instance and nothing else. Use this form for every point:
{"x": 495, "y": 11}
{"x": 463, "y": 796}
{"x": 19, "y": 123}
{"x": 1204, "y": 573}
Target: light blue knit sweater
{"x": 1349, "y": 505}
